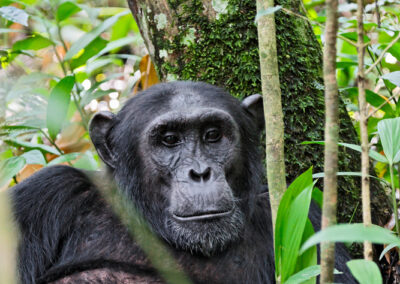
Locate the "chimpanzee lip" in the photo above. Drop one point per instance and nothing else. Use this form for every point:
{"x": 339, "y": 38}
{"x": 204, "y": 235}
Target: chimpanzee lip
{"x": 201, "y": 216}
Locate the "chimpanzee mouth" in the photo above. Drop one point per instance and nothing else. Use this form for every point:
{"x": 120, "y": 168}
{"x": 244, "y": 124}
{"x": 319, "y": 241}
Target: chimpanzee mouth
{"x": 201, "y": 216}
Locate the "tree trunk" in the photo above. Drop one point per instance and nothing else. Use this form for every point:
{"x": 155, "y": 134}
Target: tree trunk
{"x": 274, "y": 130}
{"x": 216, "y": 42}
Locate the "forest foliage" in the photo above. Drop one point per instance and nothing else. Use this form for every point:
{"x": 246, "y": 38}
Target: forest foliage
{"x": 61, "y": 61}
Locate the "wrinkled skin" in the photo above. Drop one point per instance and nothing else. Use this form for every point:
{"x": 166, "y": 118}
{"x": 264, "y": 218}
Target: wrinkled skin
{"x": 187, "y": 156}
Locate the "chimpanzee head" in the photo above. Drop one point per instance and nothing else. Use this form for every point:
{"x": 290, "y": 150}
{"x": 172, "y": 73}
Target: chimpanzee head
{"x": 187, "y": 156}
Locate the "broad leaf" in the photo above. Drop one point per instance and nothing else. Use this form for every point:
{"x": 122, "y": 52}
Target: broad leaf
{"x": 365, "y": 271}
{"x": 10, "y": 168}
{"x": 393, "y": 78}
{"x": 15, "y": 15}
{"x": 90, "y": 36}
{"x": 304, "y": 275}
{"x": 66, "y": 10}
{"x": 57, "y": 107}
{"x": 34, "y": 42}
{"x": 290, "y": 222}
{"x": 31, "y": 146}
{"x": 389, "y": 134}
{"x": 64, "y": 158}
{"x": 352, "y": 233}
{"x": 34, "y": 157}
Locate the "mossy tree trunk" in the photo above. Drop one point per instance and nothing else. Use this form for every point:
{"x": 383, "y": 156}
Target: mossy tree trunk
{"x": 216, "y": 42}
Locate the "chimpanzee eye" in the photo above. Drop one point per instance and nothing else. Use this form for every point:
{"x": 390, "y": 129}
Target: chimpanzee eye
{"x": 212, "y": 135}
{"x": 171, "y": 139}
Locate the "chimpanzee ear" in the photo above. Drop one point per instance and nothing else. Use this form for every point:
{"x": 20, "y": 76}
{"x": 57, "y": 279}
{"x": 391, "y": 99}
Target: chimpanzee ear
{"x": 254, "y": 106}
{"x": 98, "y": 130}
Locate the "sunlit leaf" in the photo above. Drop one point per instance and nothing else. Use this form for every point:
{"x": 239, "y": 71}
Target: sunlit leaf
{"x": 57, "y": 107}
{"x": 389, "y": 134}
{"x": 15, "y": 15}
{"x": 393, "y": 77}
{"x": 90, "y": 36}
{"x": 31, "y": 146}
{"x": 64, "y": 158}
{"x": 34, "y": 157}
{"x": 352, "y": 233}
{"x": 365, "y": 271}
{"x": 34, "y": 42}
{"x": 66, "y": 10}
{"x": 304, "y": 275}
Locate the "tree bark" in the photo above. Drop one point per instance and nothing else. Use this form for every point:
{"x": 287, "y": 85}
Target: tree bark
{"x": 272, "y": 106}
{"x": 196, "y": 40}
{"x": 331, "y": 140}
{"x": 365, "y": 188}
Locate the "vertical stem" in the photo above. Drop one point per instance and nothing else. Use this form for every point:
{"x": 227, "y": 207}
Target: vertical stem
{"x": 394, "y": 201}
{"x": 272, "y": 106}
{"x": 365, "y": 189}
{"x": 331, "y": 140}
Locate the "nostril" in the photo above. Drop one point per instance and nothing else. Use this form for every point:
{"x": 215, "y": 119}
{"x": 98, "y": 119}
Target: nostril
{"x": 194, "y": 176}
{"x": 207, "y": 174}
{"x": 198, "y": 177}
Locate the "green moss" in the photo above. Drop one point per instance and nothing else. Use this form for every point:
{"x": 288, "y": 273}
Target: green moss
{"x": 225, "y": 52}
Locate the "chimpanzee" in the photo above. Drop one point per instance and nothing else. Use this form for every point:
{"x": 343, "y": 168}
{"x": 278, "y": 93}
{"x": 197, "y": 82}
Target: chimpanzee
{"x": 187, "y": 156}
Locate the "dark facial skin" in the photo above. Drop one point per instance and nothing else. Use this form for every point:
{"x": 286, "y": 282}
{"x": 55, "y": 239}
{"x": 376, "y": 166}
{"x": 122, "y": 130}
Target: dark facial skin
{"x": 194, "y": 152}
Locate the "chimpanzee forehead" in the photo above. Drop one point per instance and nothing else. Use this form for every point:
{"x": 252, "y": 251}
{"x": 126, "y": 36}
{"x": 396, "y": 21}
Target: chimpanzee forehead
{"x": 189, "y": 99}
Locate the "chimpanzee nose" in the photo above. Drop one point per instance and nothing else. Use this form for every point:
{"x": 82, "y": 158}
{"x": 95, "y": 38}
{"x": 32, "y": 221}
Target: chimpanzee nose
{"x": 201, "y": 174}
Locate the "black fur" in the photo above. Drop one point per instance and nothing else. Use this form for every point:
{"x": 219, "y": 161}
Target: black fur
{"x": 70, "y": 234}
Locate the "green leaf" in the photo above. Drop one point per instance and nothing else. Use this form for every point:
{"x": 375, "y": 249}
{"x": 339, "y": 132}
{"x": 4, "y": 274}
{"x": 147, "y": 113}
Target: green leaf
{"x": 357, "y": 174}
{"x": 304, "y": 275}
{"x": 290, "y": 222}
{"x": 87, "y": 162}
{"x": 387, "y": 248}
{"x": 393, "y": 78}
{"x": 365, "y": 271}
{"x": 353, "y": 36}
{"x": 389, "y": 134}
{"x": 308, "y": 258}
{"x": 115, "y": 45}
{"x": 15, "y": 15}
{"x": 30, "y": 146}
{"x": 34, "y": 42}
{"x": 66, "y": 10}
{"x": 57, "y": 107}
{"x": 64, "y": 158}
{"x": 10, "y": 168}
{"x": 352, "y": 233}
{"x": 90, "y": 36}
{"x": 91, "y": 50}
{"x": 317, "y": 196}
{"x": 34, "y": 157}
{"x": 373, "y": 154}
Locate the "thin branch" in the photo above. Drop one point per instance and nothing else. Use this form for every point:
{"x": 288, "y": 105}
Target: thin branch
{"x": 382, "y": 105}
{"x": 378, "y": 60}
{"x": 331, "y": 139}
{"x": 365, "y": 184}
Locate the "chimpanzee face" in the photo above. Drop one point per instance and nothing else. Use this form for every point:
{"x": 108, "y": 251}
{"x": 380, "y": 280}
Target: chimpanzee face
{"x": 188, "y": 159}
